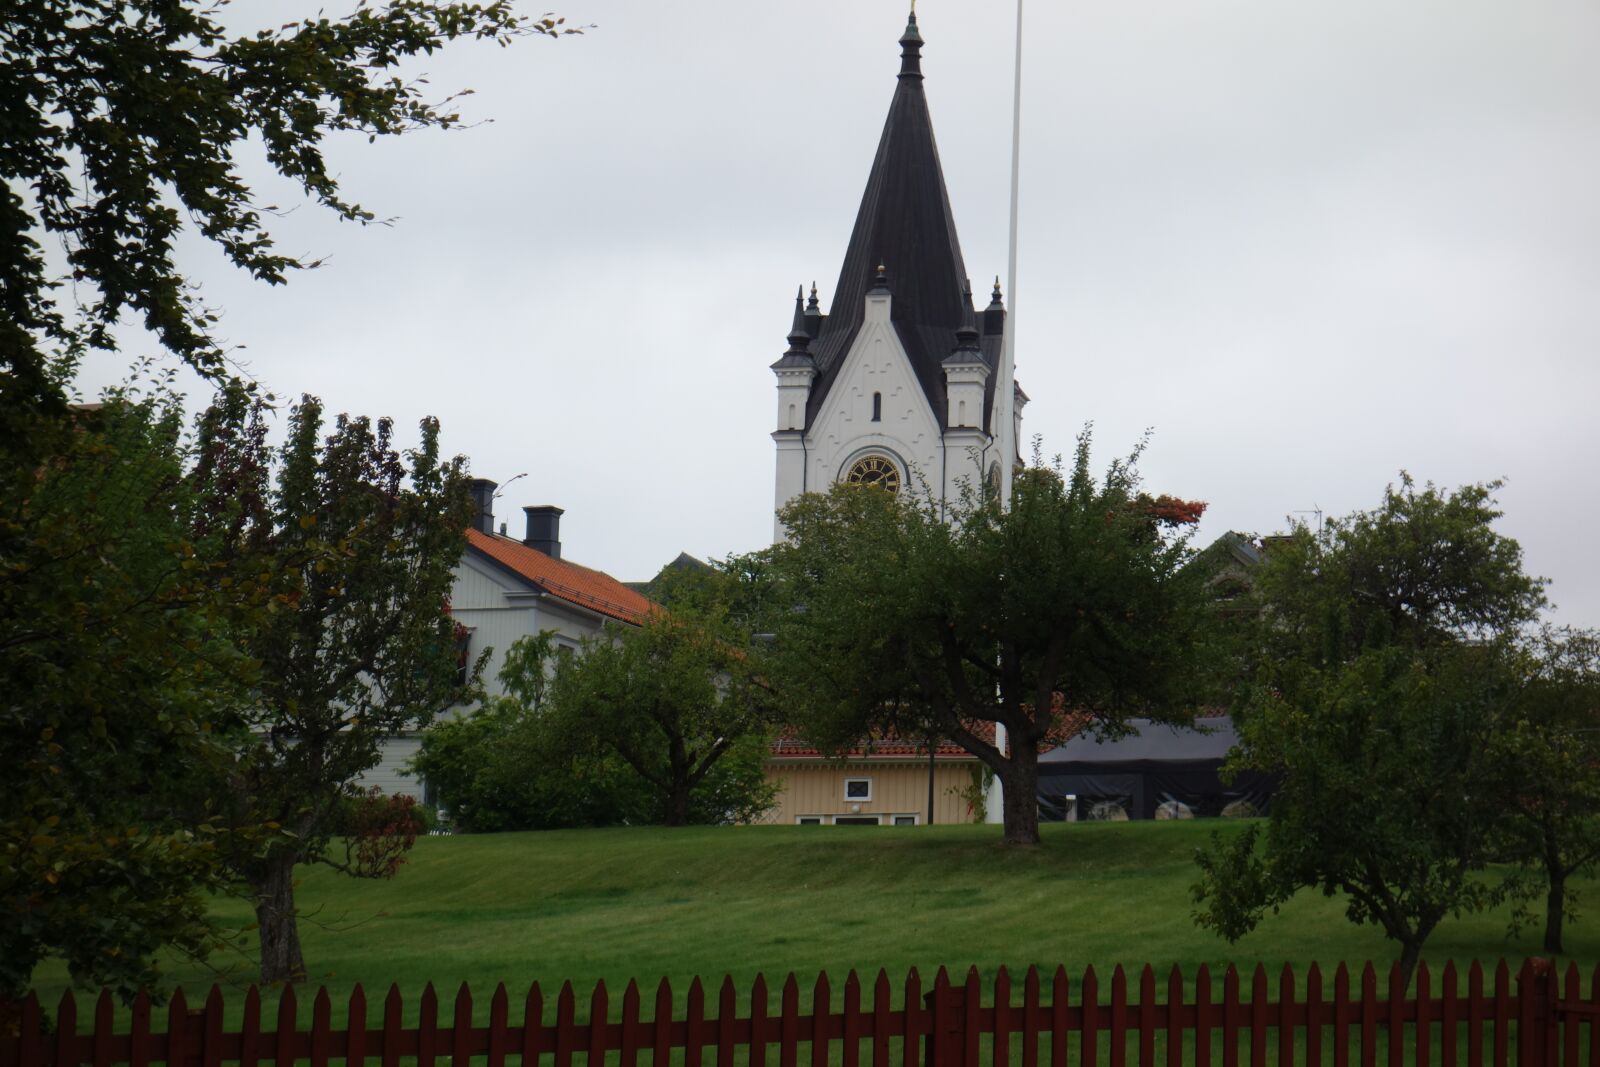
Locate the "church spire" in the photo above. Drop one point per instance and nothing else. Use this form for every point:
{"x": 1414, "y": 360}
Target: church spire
{"x": 911, "y": 48}
{"x": 905, "y": 224}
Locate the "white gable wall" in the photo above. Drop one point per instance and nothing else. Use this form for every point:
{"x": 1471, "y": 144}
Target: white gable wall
{"x": 499, "y": 608}
{"x": 930, "y": 461}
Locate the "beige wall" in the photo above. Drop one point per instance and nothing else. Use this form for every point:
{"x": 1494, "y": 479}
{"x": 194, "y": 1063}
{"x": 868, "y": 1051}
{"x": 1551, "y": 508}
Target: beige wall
{"x": 816, "y": 787}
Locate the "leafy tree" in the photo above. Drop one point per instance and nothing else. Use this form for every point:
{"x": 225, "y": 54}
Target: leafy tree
{"x": 502, "y": 767}
{"x": 674, "y": 698}
{"x": 1383, "y": 674}
{"x": 126, "y": 124}
{"x": 364, "y": 541}
{"x": 1068, "y": 608}
{"x": 113, "y": 663}
{"x": 1554, "y": 746}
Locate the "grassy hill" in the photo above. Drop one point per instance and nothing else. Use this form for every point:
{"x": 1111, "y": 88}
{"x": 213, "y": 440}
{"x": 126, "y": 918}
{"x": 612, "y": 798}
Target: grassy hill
{"x": 642, "y": 903}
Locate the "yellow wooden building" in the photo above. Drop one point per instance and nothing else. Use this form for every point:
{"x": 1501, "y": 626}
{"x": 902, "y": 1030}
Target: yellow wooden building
{"x": 882, "y": 783}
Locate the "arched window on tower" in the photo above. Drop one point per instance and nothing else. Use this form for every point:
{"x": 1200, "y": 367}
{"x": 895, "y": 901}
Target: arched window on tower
{"x": 791, "y": 417}
{"x": 877, "y": 407}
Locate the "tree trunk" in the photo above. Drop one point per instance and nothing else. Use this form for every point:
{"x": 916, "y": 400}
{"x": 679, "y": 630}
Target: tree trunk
{"x": 678, "y": 805}
{"x": 273, "y": 883}
{"x": 1555, "y": 910}
{"x": 1410, "y": 953}
{"x": 1020, "y": 798}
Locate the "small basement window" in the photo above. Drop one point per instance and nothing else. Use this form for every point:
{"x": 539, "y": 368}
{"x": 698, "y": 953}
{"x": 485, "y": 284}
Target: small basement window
{"x": 858, "y": 788}
{"x": 855, "y": 820}
{"x": 809, "y": 820}
{"x": 905, "y": 820}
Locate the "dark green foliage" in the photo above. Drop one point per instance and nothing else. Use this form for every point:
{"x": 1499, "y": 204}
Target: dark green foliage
{"x": 675, "y": 697}
{"x": 362, "y": 543}
{"x": 1382, "y": 673}
{"x": 665, "y": 722}
{"x": 1554, "y": 744}
{"x": 503, "y": 767}
{"x": 1071, "y": 602}
{"x": 114, "y": 663}
{"x": 124, "y": 121}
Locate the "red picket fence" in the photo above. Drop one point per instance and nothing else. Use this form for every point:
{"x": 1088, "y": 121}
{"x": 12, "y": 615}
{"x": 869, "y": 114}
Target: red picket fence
{"x": 1548, "y": 1021}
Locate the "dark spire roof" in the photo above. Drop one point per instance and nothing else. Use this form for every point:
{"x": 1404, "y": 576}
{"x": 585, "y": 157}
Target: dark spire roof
{"x": 966, "y": 350}
{"x": 905, "y": 224}
{"x": 799, "y": 336}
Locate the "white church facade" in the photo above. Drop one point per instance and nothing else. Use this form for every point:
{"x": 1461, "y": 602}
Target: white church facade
{"x": 900, "y": 384}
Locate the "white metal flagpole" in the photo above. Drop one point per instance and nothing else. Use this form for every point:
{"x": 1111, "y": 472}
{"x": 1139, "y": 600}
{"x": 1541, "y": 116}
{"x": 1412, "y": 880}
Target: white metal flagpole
{"x": 1006, "y": 387}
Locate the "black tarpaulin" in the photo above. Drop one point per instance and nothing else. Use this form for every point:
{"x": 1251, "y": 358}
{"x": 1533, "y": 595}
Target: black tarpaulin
{"x": 1154, "y": 764}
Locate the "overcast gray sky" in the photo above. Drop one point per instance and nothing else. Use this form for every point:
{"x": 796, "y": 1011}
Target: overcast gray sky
{"x": 1308, "y": 244}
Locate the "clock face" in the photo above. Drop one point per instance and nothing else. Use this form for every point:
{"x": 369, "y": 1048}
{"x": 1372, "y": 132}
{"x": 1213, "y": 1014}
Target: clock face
{"x": 875, "y": 470}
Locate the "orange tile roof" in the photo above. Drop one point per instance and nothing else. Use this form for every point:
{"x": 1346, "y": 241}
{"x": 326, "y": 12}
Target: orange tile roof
{"x": 585, "y": 588}
{"x": 789, "y": 745}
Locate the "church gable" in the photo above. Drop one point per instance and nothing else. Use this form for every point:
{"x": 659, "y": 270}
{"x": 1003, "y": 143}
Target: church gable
{"x": 875, "y": 377}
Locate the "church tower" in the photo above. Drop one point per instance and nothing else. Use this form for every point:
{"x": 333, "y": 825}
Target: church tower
{"x": 898, "y": 384}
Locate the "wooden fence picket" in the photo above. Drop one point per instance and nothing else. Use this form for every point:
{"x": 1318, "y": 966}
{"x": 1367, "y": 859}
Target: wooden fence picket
{"x": 427, "y": 1028}
{"x": 694, "y": 1026}
{"x": 759, "y": 1032}
{"x": 917, "y": 1021}
{"x": 1285, "y": 1024}
{"x": 103, "y": 1029}
{"x": 356, "y": 1028}
{"x": 1089, "y": 1036}
{"x": 1395, "y": 1036}
{"x": 1259, "y": 1019}
{"x": 821, "y": 1031}
{"x": 599, "y": 1015}
{"x": 789, "y": 1029}
{"x": 1316, "y": 1015}
{"x": 1060, "y": 1016}
{"x": 1551, "y": 1016}
{"x": 661, "y": 1029}
{"x": 1204, "y": 1018}
{"x": 727, "y": 1012}
{"x": 1502, "y": 1013}
{"x": 1119, "y": 1017}
{"x": 1230, "y": 1017}
{"x": 1369, "y": 1016}
{"x": 1343, "y": 1015}
{"x": 1449, "y": 1015}
{"x": 499, "y": 1025}
{"x": 392, "y": 1010}
{"x": 632, "y": 1028}
{"x": 854, "y": 1028}
{"x": 1569, "y": 1030}
{"x": 882, "y": 1025}
{"x": 1001, "y": 1040}
{"x": 322, "y": 1028}
{"x": 1147, "y": 1017}
{"x": 1424, "y": 1022}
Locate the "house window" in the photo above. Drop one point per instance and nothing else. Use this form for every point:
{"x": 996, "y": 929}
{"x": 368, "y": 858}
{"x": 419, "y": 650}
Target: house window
{"x": 809, "y": 820}
{"x": 858, "y": 788}
{"x": 877, "y": 407}
{"x": 905, "y": 820}
{"x": 855, "y": 820}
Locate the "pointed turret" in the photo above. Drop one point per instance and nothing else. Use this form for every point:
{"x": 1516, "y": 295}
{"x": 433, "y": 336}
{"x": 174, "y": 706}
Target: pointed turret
{"x": 814, "y": 314}
{"x": 905, "y": 225}
{"x": 798, "y": 354}
{"x": 966, "y": 349}
{"x": 994, "y": 316}
{"x": 966, "y": 374}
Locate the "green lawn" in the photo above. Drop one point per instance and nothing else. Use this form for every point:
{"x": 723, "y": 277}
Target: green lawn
{"x": 642, "y": 903}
